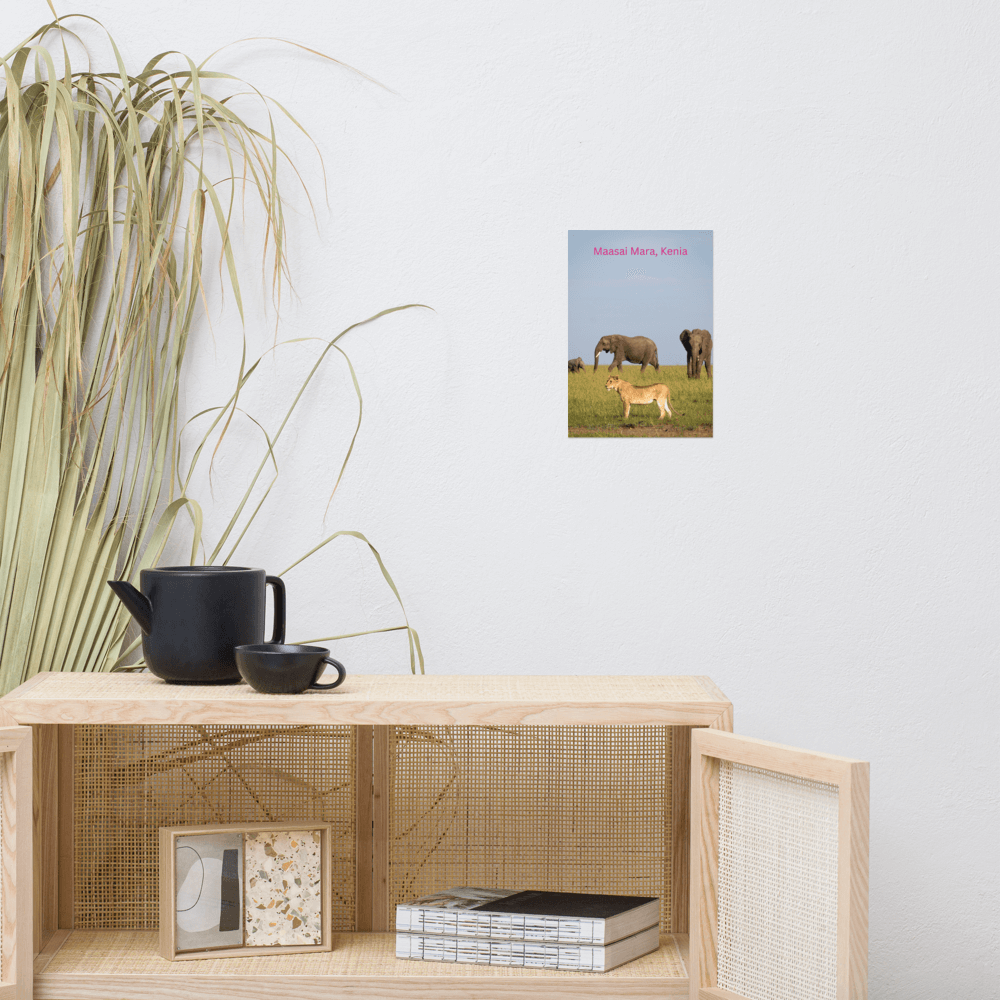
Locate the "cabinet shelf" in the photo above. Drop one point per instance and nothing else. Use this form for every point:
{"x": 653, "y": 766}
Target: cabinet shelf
{"x": 141, "y": 699}
{"x": 95, "y": 965}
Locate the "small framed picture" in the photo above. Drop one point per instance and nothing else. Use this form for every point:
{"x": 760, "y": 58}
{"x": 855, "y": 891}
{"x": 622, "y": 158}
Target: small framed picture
{"x": 251, "y": 889}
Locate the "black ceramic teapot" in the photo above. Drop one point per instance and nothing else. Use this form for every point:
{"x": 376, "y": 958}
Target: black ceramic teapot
{"x": 192, "y": 617}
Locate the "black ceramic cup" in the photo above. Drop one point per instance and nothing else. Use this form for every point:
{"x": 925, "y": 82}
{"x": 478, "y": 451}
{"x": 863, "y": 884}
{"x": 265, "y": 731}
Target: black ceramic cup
{"x": 272, "y": 668}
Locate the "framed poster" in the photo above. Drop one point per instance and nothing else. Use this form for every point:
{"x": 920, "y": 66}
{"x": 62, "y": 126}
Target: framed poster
{"x": 641, "y": 335}
{"x": 253, "y": 889}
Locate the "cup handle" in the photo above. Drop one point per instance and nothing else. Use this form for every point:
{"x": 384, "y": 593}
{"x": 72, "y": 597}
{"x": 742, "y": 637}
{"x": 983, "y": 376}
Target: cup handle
{"x": 341, "y": 670}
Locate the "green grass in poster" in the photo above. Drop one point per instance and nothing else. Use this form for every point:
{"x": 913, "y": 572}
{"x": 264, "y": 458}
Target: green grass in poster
{"x": 595, "y": 412}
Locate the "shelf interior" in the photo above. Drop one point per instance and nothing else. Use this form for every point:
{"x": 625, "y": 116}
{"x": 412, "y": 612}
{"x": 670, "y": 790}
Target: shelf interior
{"x": 107, "y": 954}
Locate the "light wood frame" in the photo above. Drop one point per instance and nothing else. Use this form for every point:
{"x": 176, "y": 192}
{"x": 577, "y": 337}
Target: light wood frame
{"x": 851, "y": 777}
{"x": 16, "y": 868}
{"x": 373, "y": 772}
{"x": 168, "y": 892}
{"x": 95, "y": 965}
{"x": 374, "y": 700}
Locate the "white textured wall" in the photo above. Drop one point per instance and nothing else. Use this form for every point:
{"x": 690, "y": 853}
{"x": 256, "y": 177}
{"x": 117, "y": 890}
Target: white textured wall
{"x": 830, "y": 557}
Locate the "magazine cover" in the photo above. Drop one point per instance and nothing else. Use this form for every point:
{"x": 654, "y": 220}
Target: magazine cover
{"x": 641, "y": 346}
{"x": 463, "y": 897}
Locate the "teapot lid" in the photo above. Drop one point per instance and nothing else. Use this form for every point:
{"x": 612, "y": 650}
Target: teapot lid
{"x": 198, "y": 570}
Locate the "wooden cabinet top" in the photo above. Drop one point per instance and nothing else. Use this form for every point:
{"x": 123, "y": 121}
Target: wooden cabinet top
{"x": 433, "y": 699}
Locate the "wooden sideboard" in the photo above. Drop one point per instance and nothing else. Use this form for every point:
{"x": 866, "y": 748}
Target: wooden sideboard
{"x": 44, "y": 952}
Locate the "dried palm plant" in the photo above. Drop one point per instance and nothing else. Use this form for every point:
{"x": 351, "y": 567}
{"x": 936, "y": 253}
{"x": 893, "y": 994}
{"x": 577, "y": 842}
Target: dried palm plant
{"x": 107, "y": 203}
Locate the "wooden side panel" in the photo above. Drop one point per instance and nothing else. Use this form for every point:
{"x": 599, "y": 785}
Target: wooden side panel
{"x": 681, "y": 833}
{"x": 704, "y": 912}
{"x": 8, "y": 867}
{"x": 851, "y": 777}
{"x": 45, "y": 812}
{"x": 363, "y": 852}
{"x": 852, "y": 972}
{"x": 65, "y": 831}
{"x": 381, "y": 785}
{"x": 16, "y": 867}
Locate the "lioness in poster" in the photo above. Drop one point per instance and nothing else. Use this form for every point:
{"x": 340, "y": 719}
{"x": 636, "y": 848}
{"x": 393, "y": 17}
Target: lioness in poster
{"x": 630, "y": 394}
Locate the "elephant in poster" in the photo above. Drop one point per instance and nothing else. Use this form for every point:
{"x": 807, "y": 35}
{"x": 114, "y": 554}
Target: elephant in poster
{"x": 576, "y": 365}
{"x": 698, "y": 344}
{"x": 638, "y": 350}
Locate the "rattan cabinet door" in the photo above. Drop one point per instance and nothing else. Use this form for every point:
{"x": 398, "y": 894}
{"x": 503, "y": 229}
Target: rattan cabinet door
{"x": 16, "y": 888}
{"x": 779, "y": 872}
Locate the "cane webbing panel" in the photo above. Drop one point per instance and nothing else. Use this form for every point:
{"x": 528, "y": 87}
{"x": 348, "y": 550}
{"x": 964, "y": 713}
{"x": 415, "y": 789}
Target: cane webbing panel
{"x": 131, "y": 780}
{"x": 777, "y": 885}
{"x": 572, "y": 808}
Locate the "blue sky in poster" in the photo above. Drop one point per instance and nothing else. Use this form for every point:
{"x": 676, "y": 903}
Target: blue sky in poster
{"x": 639, "y": 295}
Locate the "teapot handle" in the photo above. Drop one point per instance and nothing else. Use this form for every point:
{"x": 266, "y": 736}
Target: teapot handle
{"x": 279, "y": 609}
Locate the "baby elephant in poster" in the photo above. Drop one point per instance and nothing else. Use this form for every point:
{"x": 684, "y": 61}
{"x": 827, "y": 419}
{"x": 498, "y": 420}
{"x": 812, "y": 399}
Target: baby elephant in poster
{"x": 637, "y": 394}
{"x": 576, "y": 365}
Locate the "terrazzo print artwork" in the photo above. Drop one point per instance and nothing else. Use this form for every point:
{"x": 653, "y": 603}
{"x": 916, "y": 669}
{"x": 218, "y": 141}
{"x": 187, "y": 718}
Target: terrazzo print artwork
{"x": 283, "y": 888}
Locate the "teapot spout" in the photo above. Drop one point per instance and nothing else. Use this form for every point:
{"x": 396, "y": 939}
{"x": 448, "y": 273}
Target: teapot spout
{"x": 137, "y": 603}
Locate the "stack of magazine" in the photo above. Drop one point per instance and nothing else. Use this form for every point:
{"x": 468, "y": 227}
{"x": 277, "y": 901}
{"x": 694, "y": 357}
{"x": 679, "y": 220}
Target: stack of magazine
{"x": 572, "y": 931}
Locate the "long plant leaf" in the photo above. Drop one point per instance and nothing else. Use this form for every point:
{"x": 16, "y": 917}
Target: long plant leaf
{"x": 106, "y": 203}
